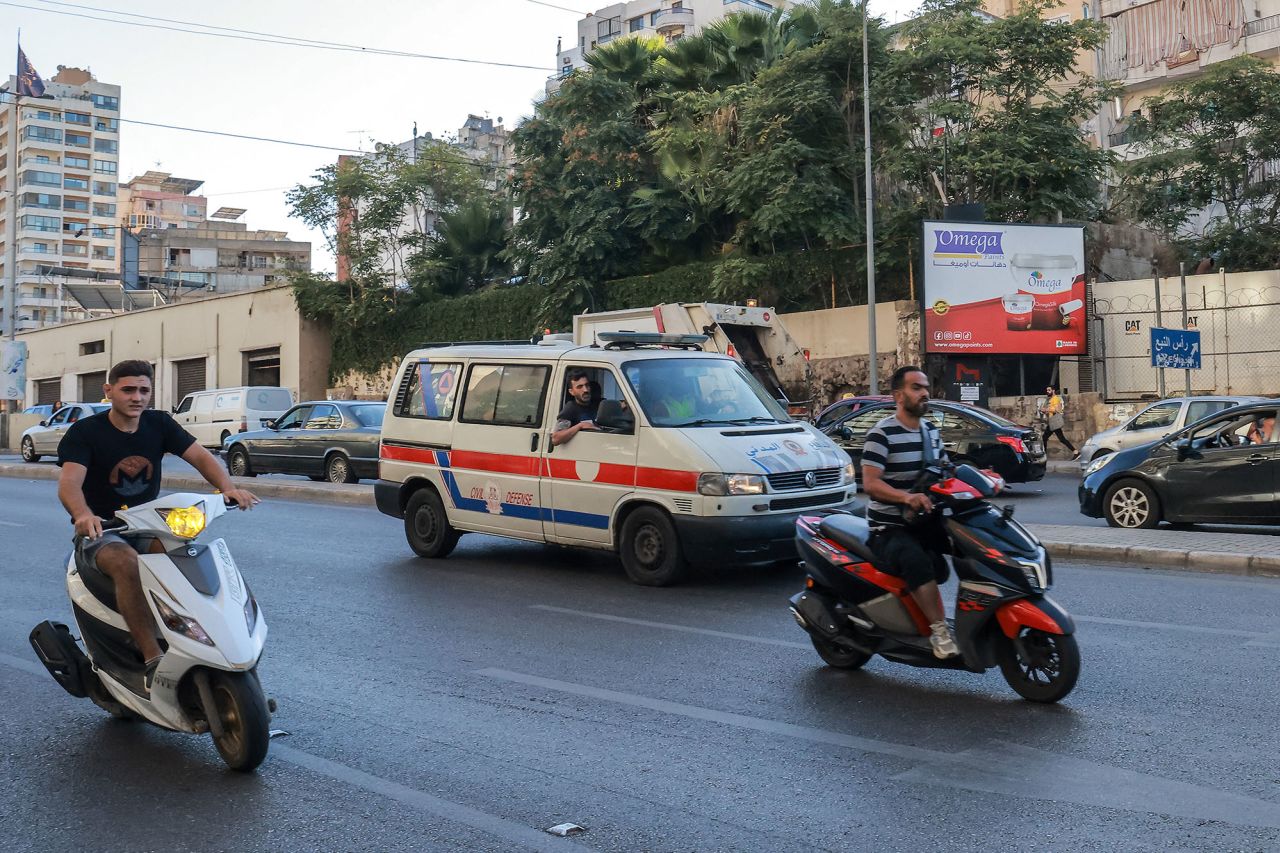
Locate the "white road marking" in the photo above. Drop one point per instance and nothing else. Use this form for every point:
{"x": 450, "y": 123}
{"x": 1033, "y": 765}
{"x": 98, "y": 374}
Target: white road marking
{"x": 668, "y": 626}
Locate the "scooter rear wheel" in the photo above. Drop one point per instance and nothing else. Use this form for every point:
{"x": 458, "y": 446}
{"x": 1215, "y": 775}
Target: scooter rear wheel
{"x": 838, "y": 656}
{"x": 246, "y": 722}
{"x": 1051, "y": 670}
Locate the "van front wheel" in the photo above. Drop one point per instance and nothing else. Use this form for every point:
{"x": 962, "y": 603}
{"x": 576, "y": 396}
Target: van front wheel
{"x": 427, "y": 527}
{"x": 650, "y": 549}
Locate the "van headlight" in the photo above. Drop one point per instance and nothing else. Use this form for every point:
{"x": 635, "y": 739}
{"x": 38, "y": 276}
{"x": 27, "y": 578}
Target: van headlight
{"x": 717, "y": 484}
{"x": 1099, "y": 463}
{"x": 848, "y": 476}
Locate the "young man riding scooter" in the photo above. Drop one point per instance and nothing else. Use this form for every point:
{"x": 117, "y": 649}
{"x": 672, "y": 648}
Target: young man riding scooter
{"x": 111, "y": 460}
{"x": 893, "y": 456}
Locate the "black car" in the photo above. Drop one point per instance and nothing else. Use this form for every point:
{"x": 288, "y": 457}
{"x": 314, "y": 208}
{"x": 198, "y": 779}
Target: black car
{"x": 970, "y": 435}
{"x": 334, "y": 440}
{"x": 1222, "y": 469}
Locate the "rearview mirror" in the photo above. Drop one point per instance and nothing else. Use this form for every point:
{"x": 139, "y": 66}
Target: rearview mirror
{"x": 44, "y": 423}
{"x": 612, "y": 416}
{"x": 1185, "y": 450}
{"x": 846, "y": 433}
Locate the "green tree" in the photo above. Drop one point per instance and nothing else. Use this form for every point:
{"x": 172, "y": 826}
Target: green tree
{"x": 1204, "y": 170}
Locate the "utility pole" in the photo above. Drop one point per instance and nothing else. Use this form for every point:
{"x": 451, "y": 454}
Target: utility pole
{"x": 873, "y": 372}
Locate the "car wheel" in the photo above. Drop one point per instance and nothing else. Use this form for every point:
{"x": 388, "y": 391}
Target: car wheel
{"x": 650, "y": 549}
{"x": 238, "y": 463}
{"x": 427, "y": 527}
{"x": 337, "y": 469}
{"x": 29, "y": 450}
{"x": 1131, "y": 504}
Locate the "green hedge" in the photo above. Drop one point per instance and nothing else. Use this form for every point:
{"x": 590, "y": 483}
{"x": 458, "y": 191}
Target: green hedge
{"x": 376, "y": 334}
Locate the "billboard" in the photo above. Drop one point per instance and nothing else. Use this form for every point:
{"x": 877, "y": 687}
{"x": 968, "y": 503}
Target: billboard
{"x": 992, "y": 288}
{"x": 13, "y": 370}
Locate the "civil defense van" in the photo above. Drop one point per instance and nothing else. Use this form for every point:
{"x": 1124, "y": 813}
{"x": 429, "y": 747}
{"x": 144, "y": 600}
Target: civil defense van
{"x": 694, "y": 463}
{"x": 213, "y": 416}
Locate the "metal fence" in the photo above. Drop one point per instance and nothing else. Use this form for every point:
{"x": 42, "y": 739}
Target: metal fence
{"x": 1237, "y": 314}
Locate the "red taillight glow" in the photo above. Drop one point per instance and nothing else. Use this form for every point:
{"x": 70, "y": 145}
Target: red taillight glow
{"x": 1013, "y": 441}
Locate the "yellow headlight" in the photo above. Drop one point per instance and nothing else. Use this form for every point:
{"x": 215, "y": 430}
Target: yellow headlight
{"x": 186, "y": 522}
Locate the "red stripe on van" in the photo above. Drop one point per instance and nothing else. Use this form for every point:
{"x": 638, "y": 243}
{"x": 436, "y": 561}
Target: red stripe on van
{"x": 671, "y": 481}
{"x": 502, "y": 463}
{"x": 407, "y": 454}
{"x": 557, "y": 469}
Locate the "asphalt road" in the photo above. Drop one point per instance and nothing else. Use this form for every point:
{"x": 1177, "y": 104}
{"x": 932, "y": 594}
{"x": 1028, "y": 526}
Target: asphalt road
{"x": 473, "y": 702}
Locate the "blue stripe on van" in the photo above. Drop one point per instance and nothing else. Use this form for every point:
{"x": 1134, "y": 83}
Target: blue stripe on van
{"x": 532, "y": 513}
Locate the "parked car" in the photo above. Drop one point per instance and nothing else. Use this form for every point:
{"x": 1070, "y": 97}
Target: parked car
{"x": 43, "y": 439}
{"x": 45, "y": 410}
{"x": 334, "y": 440}
{"x": 1207, "y": 472}
{"x": 969, "y": 433}
{"x": 841, "y": 409}
{"x": 1155, "y": 422}
{"x": 212, "y": 416}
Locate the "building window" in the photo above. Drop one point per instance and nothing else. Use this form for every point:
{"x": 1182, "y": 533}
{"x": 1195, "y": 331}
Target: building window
{"x": 76, "y": 118}
{"x": 101, "y": 233}
{"x": 104, "y": 253}
{"x": 40, "y": 292}
{"x": 106, "y": 102}
{"x": 637, "y": 24}
{"x": 79, "y": 140}
{"x": 71, "y": 183}
{"x": 46, "y": 201}
{"x": 93, "y": 347}
{"x": 105, "y": 167}
{"x": 100, "y": 209}
{"x": 45, "y": 115}
{"x": 42, "y": 223}
{"x": 262, "y": 367}
{"x": 106, "y": 125}
{"x": 106, "y": 146}
{"x": 44, "y": 134}
{"x": 43, "y": 178}
{"x": 73, "y": 162}
{"x": 40, "y": 248}
{"x": 191, "y": 210}
{"x": 104, "y": 188}
{"x": 42, "y": 158}
{"x": 75, "y": 204}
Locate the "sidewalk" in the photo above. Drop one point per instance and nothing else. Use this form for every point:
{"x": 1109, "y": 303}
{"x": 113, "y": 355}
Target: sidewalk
{"x": 1227, "y": 553}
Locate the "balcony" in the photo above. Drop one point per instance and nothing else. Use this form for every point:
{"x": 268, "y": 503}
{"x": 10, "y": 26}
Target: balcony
{"x": 758, "y": 7}
{"x": 1262, "y": 25}
{"x": 673, "y": 21}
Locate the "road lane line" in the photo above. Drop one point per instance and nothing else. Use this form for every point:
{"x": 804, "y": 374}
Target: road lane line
{"x": 1168, "y": 626}
{"x": 995, "y": 767}
{"x": 498, "y": 827}
{"x": 605, "y": 617}
{"x": 11, "y": 524}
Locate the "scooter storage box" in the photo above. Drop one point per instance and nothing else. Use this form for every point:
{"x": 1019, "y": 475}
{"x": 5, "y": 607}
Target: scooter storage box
{"x": 60, "y": 654}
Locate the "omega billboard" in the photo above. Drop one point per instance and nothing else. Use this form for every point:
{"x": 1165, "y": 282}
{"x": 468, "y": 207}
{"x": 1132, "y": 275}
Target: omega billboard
{"x": 993, "y": 289}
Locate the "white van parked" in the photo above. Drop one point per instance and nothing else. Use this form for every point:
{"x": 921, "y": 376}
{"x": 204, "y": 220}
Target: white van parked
{"x": 692, "y": 462}
{"x": 213, "y": 416}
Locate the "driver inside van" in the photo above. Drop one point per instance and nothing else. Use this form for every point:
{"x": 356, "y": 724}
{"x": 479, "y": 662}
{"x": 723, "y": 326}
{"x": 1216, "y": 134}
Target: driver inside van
{"x": 580, "y": 412}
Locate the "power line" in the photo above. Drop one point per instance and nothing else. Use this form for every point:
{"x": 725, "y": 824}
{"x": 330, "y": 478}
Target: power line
{"x": 253, "y": 36}
{"x": 561, "y": 8}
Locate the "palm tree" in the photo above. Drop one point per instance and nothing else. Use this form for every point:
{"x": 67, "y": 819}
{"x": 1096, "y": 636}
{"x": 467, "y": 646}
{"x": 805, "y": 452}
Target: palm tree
{"x": 628, "y": 60}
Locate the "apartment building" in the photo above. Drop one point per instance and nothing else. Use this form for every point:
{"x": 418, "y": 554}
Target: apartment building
{"x": 159, "y": 200}
{"x": 668, "y": 19}
{"x": 204, "y": 258}
{"x": 67, "y": 150}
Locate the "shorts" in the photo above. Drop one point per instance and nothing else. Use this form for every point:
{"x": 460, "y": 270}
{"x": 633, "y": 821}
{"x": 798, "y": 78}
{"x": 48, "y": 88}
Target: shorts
{"x": 917, "y": 555}
{"x": 88, "y": 548}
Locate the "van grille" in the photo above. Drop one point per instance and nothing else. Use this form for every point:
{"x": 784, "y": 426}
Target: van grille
{"x": 806, "y": 501}
{"x": 787, "y": 480}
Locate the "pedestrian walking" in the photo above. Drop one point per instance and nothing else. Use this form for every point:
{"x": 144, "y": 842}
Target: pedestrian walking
{"x": 1051, "y": 411}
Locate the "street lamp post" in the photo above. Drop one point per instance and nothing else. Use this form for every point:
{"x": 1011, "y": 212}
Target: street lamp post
{"x": 873, "y": 372}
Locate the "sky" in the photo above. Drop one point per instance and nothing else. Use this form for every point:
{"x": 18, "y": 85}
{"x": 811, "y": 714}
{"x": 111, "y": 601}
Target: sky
{"x": 341, "y": 99}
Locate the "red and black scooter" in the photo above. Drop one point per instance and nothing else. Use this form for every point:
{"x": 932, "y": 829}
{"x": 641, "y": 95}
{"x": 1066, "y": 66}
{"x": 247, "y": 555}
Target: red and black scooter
{"x": 852, "y": 609}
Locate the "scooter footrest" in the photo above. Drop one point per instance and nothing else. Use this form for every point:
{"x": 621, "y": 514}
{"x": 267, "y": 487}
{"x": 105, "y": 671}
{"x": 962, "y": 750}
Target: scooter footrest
{"x": 61, "y": 655}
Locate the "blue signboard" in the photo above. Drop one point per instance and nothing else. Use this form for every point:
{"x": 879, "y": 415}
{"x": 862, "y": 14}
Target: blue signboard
{"x": 1175, "y": 348}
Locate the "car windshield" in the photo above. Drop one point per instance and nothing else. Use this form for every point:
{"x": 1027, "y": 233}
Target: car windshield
{"x": 370, "y": 415}
{"x": 691, "y": 392}
{"x": 99, "y": 407}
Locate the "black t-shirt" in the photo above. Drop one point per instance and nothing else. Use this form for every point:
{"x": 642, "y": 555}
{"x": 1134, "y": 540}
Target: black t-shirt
{"x": 123, "y": 467}
{"x": 575, "y": 413}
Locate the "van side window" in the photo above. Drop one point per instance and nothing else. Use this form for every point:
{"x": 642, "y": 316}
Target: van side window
{"x": 506, "y": 394}
{"x": 185, "y": 406}
{"x": 429, "y": 391}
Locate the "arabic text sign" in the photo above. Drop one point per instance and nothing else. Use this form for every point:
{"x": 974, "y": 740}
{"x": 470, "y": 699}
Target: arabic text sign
{"x": 1175, "y": 348}
{"x": 13, "y": 370}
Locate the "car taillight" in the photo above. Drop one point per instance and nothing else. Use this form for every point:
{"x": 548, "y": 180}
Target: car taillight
{"x": 1013, "y": 441}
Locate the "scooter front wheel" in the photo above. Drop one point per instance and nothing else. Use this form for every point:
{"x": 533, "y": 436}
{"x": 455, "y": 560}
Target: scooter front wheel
{"x": 1042, "y": 667}
{"x": 838, "y": 656}
{"x": 246, "y": 722}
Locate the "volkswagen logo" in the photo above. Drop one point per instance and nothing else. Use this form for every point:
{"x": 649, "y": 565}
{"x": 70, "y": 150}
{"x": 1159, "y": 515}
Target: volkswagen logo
{"x": 811, "y": 478}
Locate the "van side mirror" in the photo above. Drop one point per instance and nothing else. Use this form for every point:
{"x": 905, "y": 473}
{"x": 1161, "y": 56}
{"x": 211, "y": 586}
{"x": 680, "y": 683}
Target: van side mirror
{"x": 613, "y": 417}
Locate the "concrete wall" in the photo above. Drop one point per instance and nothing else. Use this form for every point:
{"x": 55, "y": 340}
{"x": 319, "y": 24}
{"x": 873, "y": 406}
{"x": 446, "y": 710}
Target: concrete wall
{"x": 12, "y": 427}
{"x": 220, "y": 329}
{"x": 837, "y": 340}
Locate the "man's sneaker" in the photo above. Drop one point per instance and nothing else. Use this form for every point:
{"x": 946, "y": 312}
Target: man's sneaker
{"x": 943, "y": 641}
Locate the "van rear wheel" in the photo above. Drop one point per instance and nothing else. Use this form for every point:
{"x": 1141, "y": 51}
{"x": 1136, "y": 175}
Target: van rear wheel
{"x": 650, "y": 549}
{"x": 427, "y": 527}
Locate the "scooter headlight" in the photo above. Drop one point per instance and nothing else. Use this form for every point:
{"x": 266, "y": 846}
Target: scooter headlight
{"x": 1035, "y": 571}
{"x": 179, "y": 624}
{"x": 186, "y": 522}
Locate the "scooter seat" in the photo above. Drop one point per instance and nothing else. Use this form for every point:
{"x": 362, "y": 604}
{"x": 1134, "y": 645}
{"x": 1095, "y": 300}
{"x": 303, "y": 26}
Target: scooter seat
{"x": 849, "y": 532}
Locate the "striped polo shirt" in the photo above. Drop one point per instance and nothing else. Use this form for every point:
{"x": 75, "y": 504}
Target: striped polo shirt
{"x": 899, "y": 453}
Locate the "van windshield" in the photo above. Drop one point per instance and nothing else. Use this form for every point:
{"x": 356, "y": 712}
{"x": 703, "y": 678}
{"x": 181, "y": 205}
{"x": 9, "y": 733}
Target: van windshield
{"x": 690, "y": 392}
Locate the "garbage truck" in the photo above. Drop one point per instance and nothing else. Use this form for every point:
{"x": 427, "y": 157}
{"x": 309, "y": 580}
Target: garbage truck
{"x": 753, "y": 335}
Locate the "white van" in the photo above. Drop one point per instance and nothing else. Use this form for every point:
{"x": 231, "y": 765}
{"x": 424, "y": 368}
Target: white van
{"x": 693, "y": 462}
{"x": 213, "y": 416}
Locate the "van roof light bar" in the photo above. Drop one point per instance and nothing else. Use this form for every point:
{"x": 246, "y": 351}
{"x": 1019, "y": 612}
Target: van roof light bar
{"x": 631, "y": 340}
{"x": 516, "y": 343}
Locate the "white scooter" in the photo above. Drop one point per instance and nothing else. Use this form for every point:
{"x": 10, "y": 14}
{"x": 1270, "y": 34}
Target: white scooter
{"x": 211, "y": 633}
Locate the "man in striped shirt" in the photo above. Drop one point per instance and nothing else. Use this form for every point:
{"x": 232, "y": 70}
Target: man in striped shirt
{"x": 892, "y": 458}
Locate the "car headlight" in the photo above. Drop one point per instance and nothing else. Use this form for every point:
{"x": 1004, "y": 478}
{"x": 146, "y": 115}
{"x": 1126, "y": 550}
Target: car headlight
{"x": 179, "y": 624}
{"x": 186, "y": 522}
{"x": 848, "y": 475}
{"x": 716, "y": 484}
{"x": 1099, "y": 463}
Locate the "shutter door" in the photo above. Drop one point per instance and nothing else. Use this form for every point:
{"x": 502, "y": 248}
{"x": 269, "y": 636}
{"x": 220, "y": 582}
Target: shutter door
{"x": 91, "y": 386}
{"x": 188, "y": 377}
{"x": 48, "y": 391}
